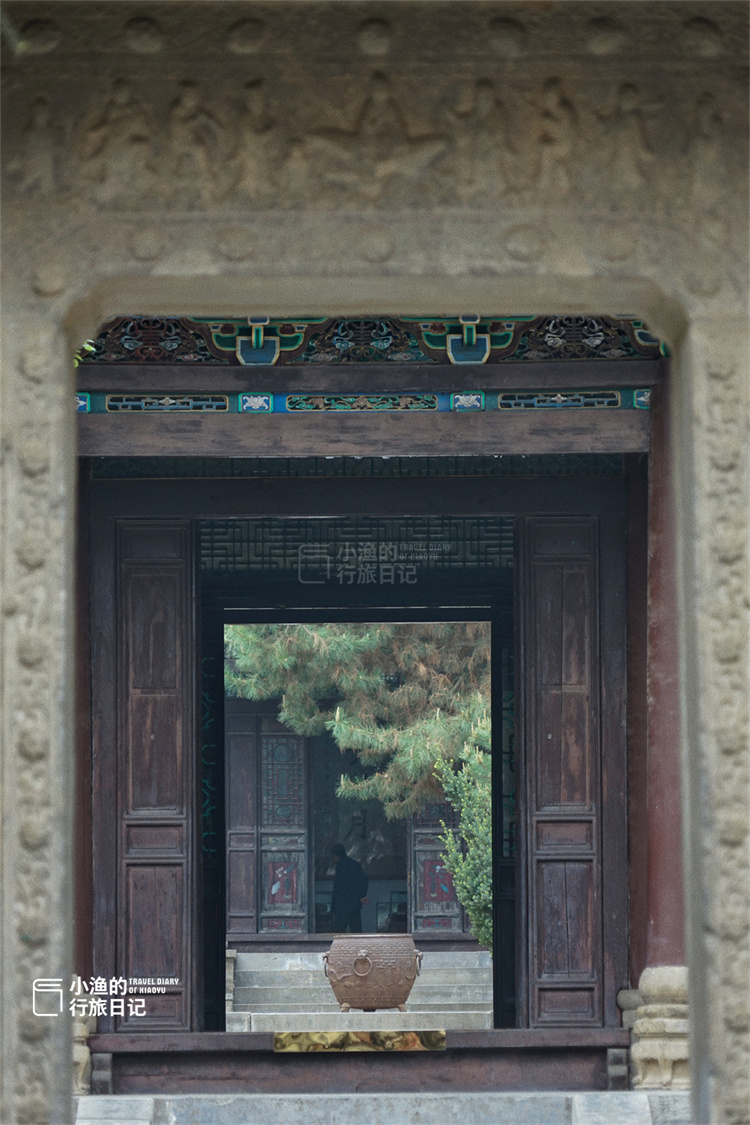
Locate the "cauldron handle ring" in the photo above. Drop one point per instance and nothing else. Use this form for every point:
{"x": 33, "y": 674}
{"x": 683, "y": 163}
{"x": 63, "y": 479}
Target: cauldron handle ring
{"x": 325, "y": 963}
{"x": 419, "y": 961}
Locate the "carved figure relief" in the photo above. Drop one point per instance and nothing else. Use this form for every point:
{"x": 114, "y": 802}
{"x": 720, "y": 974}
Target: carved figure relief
{"x": 256, "y": 155}
{"x": 117, "y": 147}
{"x": 628, "y": 152}
{"x": 379, "y": 157}
{"x": 556, "y": 130}
{"x": 482, "y": 147}
{"x": 480, "y": 143}
{"x": 295, "y": 181}
{"x": 36, "y": 165}
{"x": 197, "y": 145}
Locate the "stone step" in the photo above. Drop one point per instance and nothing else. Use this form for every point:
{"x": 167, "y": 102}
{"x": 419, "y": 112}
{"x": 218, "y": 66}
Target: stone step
{"x": 305, "y": 978}
{"x": 267, "y": 962}
{"x": 115, "y": 1110}
{"x": 411, "y": 1006}
{"x": 486, "y": 1108}
{"x": 388, "y": 1020}
{"x": 254, "y": 997}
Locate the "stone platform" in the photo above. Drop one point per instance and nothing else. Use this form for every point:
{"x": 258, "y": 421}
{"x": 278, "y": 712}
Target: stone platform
{"x": 389, "y": 1109}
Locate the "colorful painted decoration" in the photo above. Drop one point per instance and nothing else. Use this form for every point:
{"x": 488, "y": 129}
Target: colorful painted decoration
{"x": 304, "y": 1042}
{"x": 151, "y": 402}
{"x": 255, "y": 403}
{"x": 465, "y": 339}
{"x": 361, "y": 402}
{"x": 443, "y": 402}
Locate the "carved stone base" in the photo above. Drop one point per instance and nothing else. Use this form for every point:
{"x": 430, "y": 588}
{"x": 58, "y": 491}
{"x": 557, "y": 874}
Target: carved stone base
{"x": 101, "y": 1073}
{"x": 82, "y": 1056}
{"x": 659, "y": 1055}
{"x": 231, "y": 964}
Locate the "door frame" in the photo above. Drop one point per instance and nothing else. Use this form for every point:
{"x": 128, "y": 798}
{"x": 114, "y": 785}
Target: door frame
{"x": 116, "y": 500}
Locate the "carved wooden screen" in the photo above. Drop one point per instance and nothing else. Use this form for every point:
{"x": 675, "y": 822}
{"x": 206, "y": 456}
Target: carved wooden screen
{"x": 565, "y": 670}
{"x": 267, "y": 829}
{"x": 434, "y": 906}
{"x": 144, "y": 778}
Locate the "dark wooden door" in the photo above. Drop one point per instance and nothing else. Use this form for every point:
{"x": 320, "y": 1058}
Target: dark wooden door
{"x": 574, "y": 793}
{"x": 267, "y": 828}
{"x": 144, "y": 703}
{"x": 572, "y": 898}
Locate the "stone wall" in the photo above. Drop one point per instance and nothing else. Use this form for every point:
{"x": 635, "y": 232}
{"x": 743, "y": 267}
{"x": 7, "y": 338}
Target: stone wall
{"x": 235, "y": 158}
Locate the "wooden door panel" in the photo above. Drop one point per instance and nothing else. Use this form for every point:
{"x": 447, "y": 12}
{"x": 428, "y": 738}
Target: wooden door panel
{"x": 283, "y": 830}
{"x": 576, "y": 602}
{"x": 565, "y": 918}
{"x": 150, "y": 620}
{"x": 575, "y": 750}
{"x": 283, "y": 796}
{"x": 156, "y": 704}
{"x": 154, "y": 911}
{"x": 563, "y": 787}
{"x": 242, "y": 827}
{"x": 563, "y": 1007}
{"x": 154, "y": 750}
{"x": 267, "y": 838}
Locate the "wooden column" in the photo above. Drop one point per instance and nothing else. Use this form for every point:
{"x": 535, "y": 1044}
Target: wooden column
{"x": 665, "y": 933}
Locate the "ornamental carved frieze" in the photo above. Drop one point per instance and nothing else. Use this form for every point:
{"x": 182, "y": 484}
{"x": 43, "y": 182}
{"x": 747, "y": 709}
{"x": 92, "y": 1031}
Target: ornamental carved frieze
{"x": 482, "y": 144}
{"x": 332, "y": 340}
{"x": 262, "y": 124}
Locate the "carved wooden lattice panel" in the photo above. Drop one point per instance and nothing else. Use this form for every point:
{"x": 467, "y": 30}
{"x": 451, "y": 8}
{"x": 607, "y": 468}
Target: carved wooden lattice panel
{"x": 435, "y": 908}
{"x": 266, "y": 828}
{"x": 283, "y": 831}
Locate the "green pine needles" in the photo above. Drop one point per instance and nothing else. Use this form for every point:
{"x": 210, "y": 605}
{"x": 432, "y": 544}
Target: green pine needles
{"x": 402, "y": 696}
{"x": 410, "y": 699}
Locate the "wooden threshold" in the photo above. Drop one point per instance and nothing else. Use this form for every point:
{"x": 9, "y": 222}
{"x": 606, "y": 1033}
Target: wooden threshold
{"x": 202, "y": 1063}
{"x": 190, "y": 1042}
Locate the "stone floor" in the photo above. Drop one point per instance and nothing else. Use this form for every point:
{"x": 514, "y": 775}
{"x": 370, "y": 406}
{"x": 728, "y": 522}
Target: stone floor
{"x": 562, "y": 1108}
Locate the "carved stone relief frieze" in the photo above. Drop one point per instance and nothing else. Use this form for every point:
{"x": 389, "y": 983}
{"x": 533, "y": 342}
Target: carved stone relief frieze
{"x": 451, "y": 127}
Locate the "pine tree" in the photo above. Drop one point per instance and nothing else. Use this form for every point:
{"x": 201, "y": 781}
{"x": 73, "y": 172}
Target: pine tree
{"x": 402, "y": 696}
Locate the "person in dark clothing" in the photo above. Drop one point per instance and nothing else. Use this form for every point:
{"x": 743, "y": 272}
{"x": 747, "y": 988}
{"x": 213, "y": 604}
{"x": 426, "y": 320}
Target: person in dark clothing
{"x": 349, "y": 892}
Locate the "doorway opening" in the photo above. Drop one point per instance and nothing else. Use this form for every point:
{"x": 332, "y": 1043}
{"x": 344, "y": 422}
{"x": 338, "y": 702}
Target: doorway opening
{"x": 395, "y": 658}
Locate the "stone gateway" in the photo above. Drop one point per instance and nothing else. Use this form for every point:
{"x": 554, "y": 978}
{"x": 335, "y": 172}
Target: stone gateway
{"x": 455, "y": 164}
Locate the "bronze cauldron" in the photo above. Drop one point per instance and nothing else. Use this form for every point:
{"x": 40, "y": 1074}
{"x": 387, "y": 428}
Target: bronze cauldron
{"x": 371, "y": 971}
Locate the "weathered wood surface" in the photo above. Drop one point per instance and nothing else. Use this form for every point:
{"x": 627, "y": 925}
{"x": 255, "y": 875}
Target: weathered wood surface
{"x": 575, "y": 773}
{"x": 144, "y": 751}
{"x": 363, "y": 433}
{"x": 369, "y": 378}
{"x": 213, "y": 1041}
{"x": 505, "y": 1068}
{"x": 347, "y": 496}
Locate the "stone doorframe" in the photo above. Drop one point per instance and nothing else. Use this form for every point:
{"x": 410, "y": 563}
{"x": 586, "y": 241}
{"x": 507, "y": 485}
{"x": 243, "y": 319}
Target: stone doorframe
{"x": 40, "y": 492}
{"x": 76, "y": 253}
